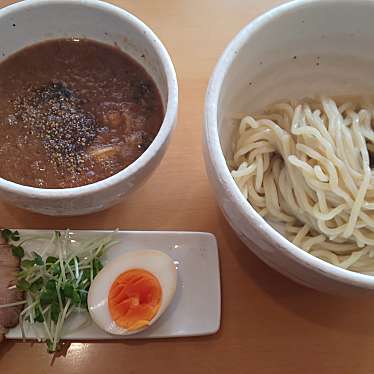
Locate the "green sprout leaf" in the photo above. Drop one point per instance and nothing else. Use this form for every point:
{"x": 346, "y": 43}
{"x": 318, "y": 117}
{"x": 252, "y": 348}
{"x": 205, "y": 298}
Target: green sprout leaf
{"x": 51, "y": 260}
{"x": 6, "y": 234}
{"x": 68, "y": 290}
{"x": 47, "y": 297}
{"x": 51, "y": 285}
{"x": 38, "y": 316}
{"x": 38, "y": 259}
{"x": 9, "y": 235}
{"x": 97, "y": 266}
{"x": 37, "y": 285}
{"x": 23, "y": 285}
{"x": 72, "y": 293}
{"x": 27, "y": 264}
{"x": 55, "y": 311}
{"x": 83, "y": 295}
{"x": 56, "y": 269}
{"x": 15, "y": 236}
{"x": 17, "y": 251}
{"x": 86, "y": 275}
{"x": 76, "y": 299}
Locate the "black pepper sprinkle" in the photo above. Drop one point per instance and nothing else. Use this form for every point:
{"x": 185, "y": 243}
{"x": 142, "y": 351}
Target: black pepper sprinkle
{"x": 54, "y": 114}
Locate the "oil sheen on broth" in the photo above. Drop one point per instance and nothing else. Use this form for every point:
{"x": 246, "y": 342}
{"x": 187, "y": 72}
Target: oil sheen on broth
{"x": 73, "y": 112}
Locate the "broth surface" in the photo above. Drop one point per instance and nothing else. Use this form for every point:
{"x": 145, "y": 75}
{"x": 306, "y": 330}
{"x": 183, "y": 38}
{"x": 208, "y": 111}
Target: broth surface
{"x": 73, "y": 112}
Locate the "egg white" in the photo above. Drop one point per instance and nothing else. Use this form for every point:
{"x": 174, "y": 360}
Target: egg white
{"x": 157, "y": 263}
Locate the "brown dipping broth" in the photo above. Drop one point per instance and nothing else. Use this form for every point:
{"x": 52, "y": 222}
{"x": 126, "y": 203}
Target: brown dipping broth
{"x": 73, "y": 112}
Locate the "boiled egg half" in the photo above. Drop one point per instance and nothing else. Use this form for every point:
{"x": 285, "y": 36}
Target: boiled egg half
{"x": 131, "y": 292}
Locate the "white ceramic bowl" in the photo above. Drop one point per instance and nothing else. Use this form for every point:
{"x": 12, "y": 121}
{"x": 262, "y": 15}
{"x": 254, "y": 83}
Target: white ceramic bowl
{"x": 298, "y": 49}
{"x": 33, "y": 21}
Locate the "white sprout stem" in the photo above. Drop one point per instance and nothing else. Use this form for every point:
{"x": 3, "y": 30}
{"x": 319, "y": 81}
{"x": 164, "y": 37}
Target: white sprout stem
{"x": 30, "y": 312}
{"x": 30, "y": 306}
{"x": 35, "y": 278}
{"x": 76, "y": 268}
{"x": 48, "y": 246}
{"x": 79, "y": 278}
{"x": 71, "y": 310}
{"x": 91, "y": 272}
{"x": 58, "y": 288}
{"x": 48, "y": 332}
{"x": 21, "y": 320}
{"x": 53, "y": 328}
{"x": 55, "y": 333}
{"x": 13, "y": 304}
{"x": 70, "y": 271}
{"x": 62, "y": 266}
{"x": 84, "y": 267}
{"x": 45, "y": 310}
{"x": 32, "y": 238}
{"x": 45, "y": 325}
{"x": 60, "y": 323}
{"x": 65, "y": 243}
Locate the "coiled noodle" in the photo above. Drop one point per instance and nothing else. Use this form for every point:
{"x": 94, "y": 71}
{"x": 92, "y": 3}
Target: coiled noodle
{"x": 306, "y": 167}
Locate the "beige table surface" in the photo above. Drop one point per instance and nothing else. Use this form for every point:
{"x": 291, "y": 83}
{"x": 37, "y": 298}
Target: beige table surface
{"x": 269, "y": 324}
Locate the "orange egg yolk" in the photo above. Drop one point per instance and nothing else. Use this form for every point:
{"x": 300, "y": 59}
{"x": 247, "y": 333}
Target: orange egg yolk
{"x": 134, "y": 299}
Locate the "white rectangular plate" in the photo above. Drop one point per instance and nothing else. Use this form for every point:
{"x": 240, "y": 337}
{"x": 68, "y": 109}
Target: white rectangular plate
{"x": 196, "y": 308}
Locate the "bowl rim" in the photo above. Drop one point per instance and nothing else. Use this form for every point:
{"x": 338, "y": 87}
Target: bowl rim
{"x": 217, "y": 159}
{"x": 166, "y": 127}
